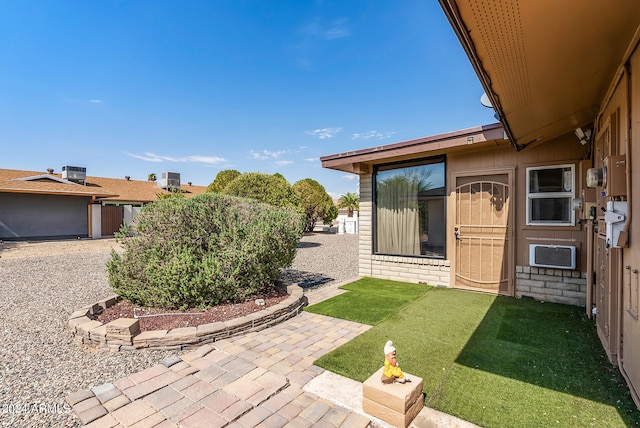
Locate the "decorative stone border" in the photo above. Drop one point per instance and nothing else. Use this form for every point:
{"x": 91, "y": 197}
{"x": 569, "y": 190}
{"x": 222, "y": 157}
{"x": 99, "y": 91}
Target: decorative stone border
{"x": 124, "y": 333}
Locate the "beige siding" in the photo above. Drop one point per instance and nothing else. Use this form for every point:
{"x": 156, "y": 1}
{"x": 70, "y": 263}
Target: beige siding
{"x": 553, "y": 285}
{"x": 630, "y": 304}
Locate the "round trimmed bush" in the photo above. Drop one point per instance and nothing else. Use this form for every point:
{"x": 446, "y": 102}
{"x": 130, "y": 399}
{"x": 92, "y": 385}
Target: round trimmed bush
{"x": 271, "y": 189}
{"x": 204, "y": 251}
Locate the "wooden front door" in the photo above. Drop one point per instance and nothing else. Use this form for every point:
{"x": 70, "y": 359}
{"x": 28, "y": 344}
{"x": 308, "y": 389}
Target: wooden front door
{"x": 483, "y": 241}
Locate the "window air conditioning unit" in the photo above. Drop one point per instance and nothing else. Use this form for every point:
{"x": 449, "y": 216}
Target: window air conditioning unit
{"x": 552, "y": 256}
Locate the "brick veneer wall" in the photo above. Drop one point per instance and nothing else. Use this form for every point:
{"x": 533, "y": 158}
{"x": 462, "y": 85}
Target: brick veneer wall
{"x": 411, "y": 269}
{"x": 552, "y": 285}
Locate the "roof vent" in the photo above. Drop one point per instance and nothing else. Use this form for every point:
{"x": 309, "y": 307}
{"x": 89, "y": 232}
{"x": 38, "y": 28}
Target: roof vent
{"x": 170, "y": 180}
{"x": 77, "y": 174}
{"x": 127, "y": 177}
{"x": 50, "y": 170}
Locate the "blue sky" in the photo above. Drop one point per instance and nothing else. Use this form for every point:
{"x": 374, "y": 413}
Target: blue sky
{"x": 195, "y": 87}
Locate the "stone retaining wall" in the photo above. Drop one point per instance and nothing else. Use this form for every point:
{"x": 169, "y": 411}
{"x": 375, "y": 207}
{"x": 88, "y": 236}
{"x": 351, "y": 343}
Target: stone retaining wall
{"x": 125, "y": 334}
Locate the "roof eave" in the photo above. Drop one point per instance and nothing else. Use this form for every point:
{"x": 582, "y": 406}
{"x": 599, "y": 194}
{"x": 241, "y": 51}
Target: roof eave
{"x": 452, "y": 14}
{"x": 58, "y": 192}
{"x": 358, "y": 161}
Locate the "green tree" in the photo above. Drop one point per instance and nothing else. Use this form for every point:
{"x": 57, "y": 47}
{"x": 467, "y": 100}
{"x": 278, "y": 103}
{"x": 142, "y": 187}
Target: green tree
{"x": 331, "y": 215}
{"x": 315, "y": 201}
{"x": 152, "y": 177}
{"x": 222, "y": 179}
{"x": 264, "y": 188}
{"x": 350, "y": 201}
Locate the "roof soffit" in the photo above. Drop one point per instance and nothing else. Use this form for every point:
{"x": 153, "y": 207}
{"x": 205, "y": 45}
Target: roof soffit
{"x": 545, "y": 64}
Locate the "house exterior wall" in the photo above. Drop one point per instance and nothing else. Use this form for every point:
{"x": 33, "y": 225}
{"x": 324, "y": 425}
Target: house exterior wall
{"x": 631, "y": 256}
{"x": 553, "y": 285}
{"x": 616, "y": 285}
{"x": 28, "y": 216}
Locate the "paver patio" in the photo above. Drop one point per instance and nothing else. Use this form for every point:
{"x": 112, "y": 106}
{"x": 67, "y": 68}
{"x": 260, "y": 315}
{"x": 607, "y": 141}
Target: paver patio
{"x": 252, "y": 380}
{"x": 255, "y": 380}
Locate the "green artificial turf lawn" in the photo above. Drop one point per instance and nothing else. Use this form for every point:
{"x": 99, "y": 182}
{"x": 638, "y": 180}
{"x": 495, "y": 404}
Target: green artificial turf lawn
{"x": 493, "y": 361}
{"x": 387, "y": 297}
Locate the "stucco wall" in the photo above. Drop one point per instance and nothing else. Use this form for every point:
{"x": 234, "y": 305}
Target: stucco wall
{"x": 24, "y": 216}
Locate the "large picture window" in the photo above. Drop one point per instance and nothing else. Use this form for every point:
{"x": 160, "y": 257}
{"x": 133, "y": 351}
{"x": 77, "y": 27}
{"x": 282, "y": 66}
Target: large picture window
{"x": 550, "y": 196}
{"x": 410, "y": 209}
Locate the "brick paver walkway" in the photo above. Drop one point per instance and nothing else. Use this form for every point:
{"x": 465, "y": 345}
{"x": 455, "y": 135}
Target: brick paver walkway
{"x": 253, "y": 380}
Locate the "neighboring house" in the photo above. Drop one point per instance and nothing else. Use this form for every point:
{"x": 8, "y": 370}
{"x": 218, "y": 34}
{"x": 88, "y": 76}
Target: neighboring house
{"x": 540, "y": 205}
{"x": 45, "y": 205}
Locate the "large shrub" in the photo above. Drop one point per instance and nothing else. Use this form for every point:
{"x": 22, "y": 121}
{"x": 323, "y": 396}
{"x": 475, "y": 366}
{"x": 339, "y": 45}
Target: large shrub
{"x": 204, "y": 251}
{"x": 223, "y": 178}
{"x": 271, "y": 189}
{"x": 315, "y": 201}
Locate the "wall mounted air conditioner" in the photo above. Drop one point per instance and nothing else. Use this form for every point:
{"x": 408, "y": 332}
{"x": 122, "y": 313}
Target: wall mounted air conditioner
{"x": 552, "y": 256}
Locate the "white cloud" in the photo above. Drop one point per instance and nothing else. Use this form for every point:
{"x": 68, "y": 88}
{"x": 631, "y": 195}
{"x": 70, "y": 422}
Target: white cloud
{"x": 283, "y": 162}
{"x": 212, "y": 160}
{"x": 324, "y": 132}
{"x": 311, "y": 159}
{"x": 96, "y": 101}
{"x": 152, "y": 157}
{"x": 372, "y": 134}
{"x": 337, "y": 29}
{"x": 267, "y": 154}
{"x": 350, "y": 177}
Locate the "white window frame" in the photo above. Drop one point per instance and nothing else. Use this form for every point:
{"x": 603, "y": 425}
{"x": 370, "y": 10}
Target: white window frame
{"x": 559, "y": 195}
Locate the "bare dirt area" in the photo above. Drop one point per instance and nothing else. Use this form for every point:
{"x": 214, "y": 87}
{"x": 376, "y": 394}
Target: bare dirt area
{"x": 166, "y": 319}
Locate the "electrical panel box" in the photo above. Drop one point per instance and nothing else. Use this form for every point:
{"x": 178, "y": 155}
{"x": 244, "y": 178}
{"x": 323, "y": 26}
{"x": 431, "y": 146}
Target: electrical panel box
{"x": 616, "y": 184}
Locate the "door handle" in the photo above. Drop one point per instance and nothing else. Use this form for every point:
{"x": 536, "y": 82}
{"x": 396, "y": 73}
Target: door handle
{"x": 456, "y": 233}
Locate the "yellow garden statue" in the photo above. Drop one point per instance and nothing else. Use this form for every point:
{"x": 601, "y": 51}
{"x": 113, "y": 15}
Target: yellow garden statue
{"x": 392, "y": 372}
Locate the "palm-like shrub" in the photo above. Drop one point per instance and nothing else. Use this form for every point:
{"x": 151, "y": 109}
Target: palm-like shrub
{"x": 204, "y": 251}
{"x": 350, "y": 201}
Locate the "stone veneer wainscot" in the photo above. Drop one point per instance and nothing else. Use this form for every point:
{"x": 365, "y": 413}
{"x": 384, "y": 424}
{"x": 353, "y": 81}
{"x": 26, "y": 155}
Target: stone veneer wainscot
{"x": 552, "y": 285}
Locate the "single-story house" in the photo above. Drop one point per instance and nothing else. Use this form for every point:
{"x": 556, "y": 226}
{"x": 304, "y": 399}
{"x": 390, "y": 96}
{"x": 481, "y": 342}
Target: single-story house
{"x": 70, "y": 204}
{"x": 540, "y": 204}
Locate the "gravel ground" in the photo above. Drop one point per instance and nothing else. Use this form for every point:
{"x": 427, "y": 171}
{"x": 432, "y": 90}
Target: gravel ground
{"x": 42, "y": 283}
